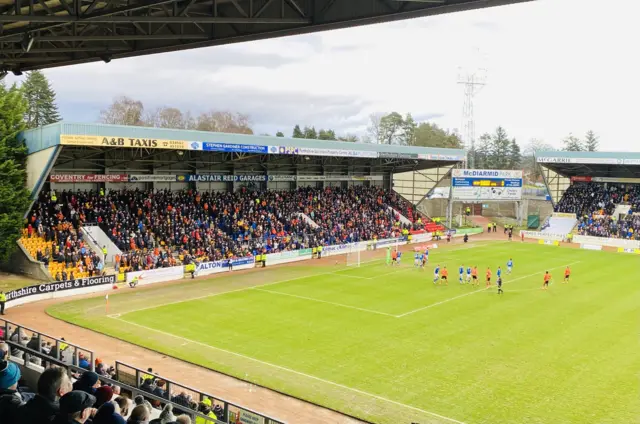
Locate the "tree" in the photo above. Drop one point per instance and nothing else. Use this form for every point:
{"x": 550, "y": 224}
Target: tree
{"x": 13, "y": 191}
{"x": 529, "y": 164}
{"x": 297, "y": 132}
{"x": 327, "y": 135}
{"x": 168, "y": 117}
{"x": 41, "y": 100}
{"x": 226, "y": 122}
{"x": 515, "y": 159}
{"x": 310, "y": 133}
{"x": 279, "y": 134}
{"x": 123, "y": 111}
{"x": 430, "y": 135}
{"x": 351, "y": 138}
{"x": 591, "y": 142}
{"x": 391, "y": 128}
{"x": 373, "y": 129}
{"x": 573, "y": 144}
{"x": 408, "y": 135}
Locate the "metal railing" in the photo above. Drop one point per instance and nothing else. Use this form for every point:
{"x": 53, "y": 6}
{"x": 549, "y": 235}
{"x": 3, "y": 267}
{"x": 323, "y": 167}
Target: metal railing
{"x": 127, "y": 377}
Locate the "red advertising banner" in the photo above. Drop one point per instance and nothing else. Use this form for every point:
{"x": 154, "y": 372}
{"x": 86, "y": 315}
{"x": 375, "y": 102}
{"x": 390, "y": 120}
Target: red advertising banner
{"x": 581, "y": 179}
{"x": 89, "y": 178}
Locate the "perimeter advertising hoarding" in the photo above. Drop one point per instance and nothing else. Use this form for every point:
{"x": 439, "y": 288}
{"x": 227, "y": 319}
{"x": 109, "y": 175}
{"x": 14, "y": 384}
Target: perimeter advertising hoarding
{"x": 486, "y": 184}
{"x": 89, "y": 178}
{"x": 128, "y": 142}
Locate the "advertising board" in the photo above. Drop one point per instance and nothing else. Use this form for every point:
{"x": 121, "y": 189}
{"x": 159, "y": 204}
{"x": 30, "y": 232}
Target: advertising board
{"x": 152, "y": 178}
{"x": 603, "y": 241}
{"x": 563, "y": 215}
{"x": 421, "y": 238}
{"x": 543, "y": 236}
{"x": 88, "y": 178}
{"x": 288, "y": 256}
{"x": 208, "y": 268}
{"x": 59, "y": 289}
{"x": 157, "y": 275}
{"x": 127, "y": 142}
{"x": 486, "y": 184}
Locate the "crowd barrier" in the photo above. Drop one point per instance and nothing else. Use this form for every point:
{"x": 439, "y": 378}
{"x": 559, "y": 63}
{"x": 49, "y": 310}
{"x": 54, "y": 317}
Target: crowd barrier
{"x": 127, "y": 377}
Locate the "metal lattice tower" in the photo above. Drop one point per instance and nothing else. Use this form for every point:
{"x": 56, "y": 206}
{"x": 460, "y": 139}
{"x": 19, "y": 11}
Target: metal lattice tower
{"x": 473, "y": 81}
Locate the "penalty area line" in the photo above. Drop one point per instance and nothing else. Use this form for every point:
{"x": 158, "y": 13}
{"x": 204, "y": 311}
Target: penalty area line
{"x": 333, "y": 383}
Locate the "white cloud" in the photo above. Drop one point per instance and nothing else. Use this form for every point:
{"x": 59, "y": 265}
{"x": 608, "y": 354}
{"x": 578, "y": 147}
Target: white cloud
{"x": 554, "y": 67}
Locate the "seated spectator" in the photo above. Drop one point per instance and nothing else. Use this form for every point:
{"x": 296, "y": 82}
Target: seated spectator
{"x": 76, "y": 407}
{"x": 183, "y": 419}
{"x": 10, "y": 399}
{"x": 139, "y": 415}
{"x": 82, "y": 360}
{"x": 123, "y": 403}
{"x": 109, "y": 413}
{"x": 166, "y": 416}
{"x": 52, "y": 385}
{"x": 88, "y": 383}
{"x": 103, "y": 395}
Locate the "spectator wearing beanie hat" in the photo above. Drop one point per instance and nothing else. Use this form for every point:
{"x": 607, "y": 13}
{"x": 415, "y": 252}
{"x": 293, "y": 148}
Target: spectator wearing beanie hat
{"x": 10, "y": 398}
{"x": 87, "y": 383}
{"x": 103, "y": 395}
{"x": 108, "y": 414}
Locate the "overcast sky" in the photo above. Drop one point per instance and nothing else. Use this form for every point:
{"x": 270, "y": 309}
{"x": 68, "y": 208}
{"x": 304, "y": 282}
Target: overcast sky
{"x": 554, "y": 67}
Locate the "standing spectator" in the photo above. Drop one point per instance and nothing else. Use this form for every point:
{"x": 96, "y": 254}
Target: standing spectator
{"x": 3, "y": 300}
{"x": 52, "y": 385}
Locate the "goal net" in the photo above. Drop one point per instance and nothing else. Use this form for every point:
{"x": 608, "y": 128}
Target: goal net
{"x": 353, "y": 255}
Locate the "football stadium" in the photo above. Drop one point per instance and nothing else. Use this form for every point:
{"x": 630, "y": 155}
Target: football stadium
{"x": 240, "y": 281}
{"x": 182, "y": 276}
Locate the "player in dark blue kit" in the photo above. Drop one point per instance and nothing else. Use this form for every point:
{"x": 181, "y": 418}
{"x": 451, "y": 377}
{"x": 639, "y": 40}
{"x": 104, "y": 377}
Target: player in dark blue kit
{"x": 509, "y": 266}
{"x": 468, "y": 274}
{"x": 461, "y": 274}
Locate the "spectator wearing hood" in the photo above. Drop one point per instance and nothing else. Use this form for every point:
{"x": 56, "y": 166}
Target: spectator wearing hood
{"x": 166, "y": 416}
{"x": 88, "y": 383}
{"x": 109, "y": 413}
{"x": 52, "y": 385}
{"x": 10, "y": 398}
{"x": 76, "y": 407}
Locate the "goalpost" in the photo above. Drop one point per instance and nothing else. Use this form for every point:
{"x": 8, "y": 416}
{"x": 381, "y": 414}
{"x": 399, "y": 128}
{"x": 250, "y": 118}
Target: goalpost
{"x": 353, "y": 255}
{"x": 355, "y": 249}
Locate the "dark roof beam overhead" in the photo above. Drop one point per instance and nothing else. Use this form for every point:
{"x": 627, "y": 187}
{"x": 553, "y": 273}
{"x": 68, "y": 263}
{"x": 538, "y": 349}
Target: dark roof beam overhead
{"x": 153, "y": 19}
{"x": 170, "y": 24}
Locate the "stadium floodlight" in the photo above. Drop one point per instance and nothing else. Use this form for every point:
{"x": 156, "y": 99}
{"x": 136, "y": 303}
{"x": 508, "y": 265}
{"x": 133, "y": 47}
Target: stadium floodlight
{"x": 27, "y": 42}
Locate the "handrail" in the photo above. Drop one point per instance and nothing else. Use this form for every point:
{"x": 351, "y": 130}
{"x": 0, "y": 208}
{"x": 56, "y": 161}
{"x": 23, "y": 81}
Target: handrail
{"x": 124, "y": 387}
{"x": 9, "y": 327}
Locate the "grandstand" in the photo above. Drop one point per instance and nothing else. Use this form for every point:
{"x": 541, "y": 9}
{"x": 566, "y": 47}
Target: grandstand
{"x": 595, "y": 195}
{"x": 113, "y": 203}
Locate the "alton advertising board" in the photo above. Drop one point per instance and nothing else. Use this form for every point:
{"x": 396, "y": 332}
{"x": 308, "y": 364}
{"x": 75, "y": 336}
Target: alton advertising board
{"x": 486, "y": 184}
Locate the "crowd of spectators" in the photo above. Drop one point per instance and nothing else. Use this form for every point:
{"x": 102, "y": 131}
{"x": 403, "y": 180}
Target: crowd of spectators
{"x": 594, "y": 205}
{"x": 62, "y": 398}
{"x": 158, "y": 228}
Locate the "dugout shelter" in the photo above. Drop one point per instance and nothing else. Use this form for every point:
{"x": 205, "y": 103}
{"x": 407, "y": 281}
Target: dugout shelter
{"x": 560, "y": 169}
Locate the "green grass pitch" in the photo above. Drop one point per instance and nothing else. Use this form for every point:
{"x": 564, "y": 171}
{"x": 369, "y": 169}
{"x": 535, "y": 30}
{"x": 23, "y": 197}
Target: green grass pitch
{"x": 386, "y": 345}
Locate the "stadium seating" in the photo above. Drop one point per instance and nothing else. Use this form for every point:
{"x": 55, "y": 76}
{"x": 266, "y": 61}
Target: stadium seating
{"x": 595, "y": 204}
{"x": 159, "y": 228}
{"x": 559, "y": 225}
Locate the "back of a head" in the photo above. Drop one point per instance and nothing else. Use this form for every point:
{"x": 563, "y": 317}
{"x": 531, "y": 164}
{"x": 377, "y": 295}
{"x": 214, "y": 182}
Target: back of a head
{"x": 183, "y": 419}
{"x": 139, "y": 415}
{"x": 53, "y": 382}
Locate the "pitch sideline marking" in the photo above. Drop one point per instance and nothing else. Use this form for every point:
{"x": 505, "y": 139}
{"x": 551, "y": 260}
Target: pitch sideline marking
{"x": 477, "y": 291}
{"x": 324, "y": 301}
{"x": 313, "y": 377}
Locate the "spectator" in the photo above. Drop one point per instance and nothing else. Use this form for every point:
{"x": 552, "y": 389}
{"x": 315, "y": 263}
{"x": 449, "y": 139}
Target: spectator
{"x": 103, "y": 395}
{"x": 88, "y": 383}
{"x": 109, "y": 413}
{"x": 10, "y": 398}
{"x": 166, "y": 416}
{"x": 52, "y": 385}
{"x": 76, "y": 407}
{"x": 123, "y": 403}
{"x": 139, "y": 415}
{"x": 183, "y": 419}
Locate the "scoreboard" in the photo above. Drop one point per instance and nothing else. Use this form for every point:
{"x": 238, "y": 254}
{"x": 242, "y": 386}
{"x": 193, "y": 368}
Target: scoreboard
{"x": 486, "y": 184}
